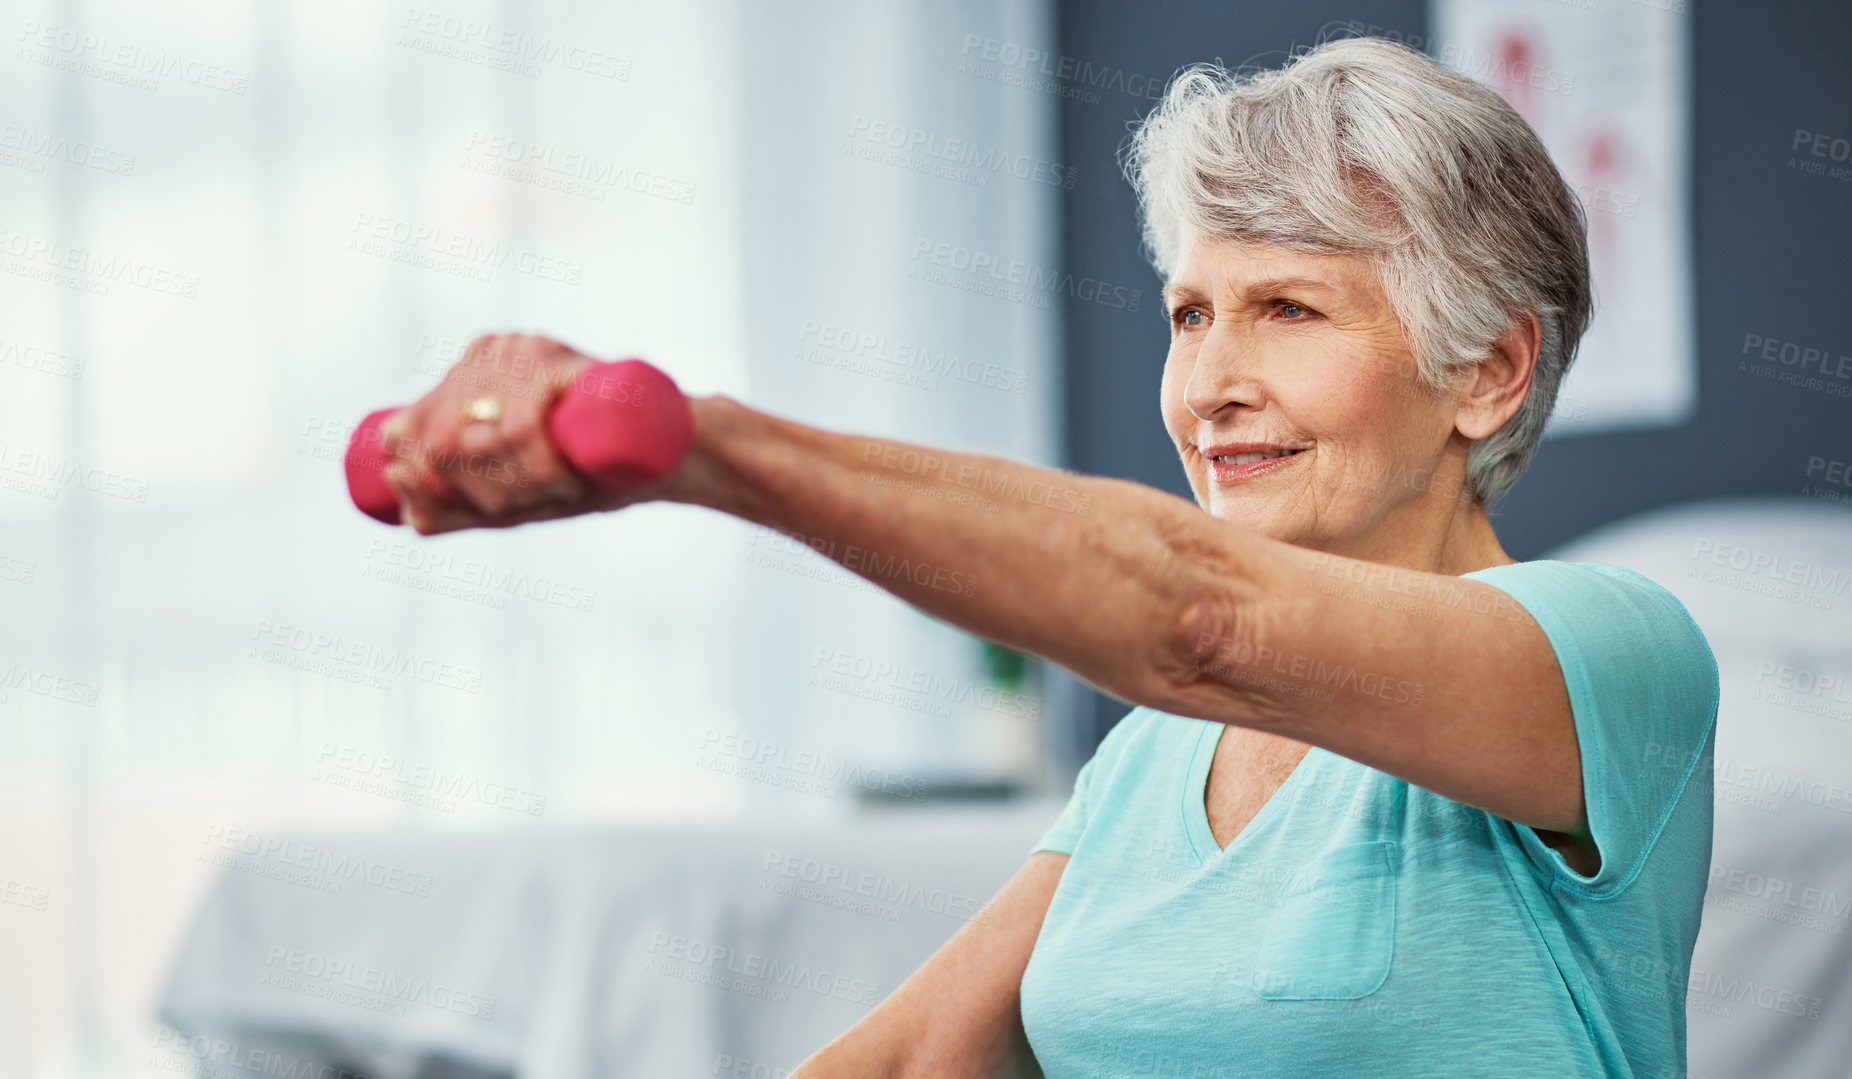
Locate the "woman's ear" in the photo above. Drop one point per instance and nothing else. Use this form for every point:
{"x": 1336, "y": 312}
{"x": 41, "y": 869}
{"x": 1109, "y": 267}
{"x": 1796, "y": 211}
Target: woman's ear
{"x": 1496, "y": 386}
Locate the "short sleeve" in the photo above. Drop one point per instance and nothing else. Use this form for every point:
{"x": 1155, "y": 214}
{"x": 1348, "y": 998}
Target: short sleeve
{"x": 1065, "y": 831}
{"x": 1064, "y": 834}
{"x": 1643, "y": 687}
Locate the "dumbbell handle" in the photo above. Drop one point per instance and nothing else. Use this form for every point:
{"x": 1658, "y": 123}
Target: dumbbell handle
{"x": 620, "y": 425}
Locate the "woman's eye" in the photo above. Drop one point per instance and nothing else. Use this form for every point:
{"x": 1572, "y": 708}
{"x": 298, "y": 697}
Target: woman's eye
{"x": 1191, "y": 317}
{"x": 1291, "y": 310}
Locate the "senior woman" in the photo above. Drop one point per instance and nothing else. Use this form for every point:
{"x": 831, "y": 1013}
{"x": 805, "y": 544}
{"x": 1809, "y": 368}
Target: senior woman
{"x": 1390, "y": 803}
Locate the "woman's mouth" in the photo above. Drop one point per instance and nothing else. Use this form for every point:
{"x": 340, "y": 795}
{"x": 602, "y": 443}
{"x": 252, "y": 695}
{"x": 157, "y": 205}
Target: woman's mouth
{"x": 1232, "y": 464}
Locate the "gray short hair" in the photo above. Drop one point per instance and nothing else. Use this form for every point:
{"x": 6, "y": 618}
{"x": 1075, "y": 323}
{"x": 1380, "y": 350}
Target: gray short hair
{"x": 1362, "y": 146}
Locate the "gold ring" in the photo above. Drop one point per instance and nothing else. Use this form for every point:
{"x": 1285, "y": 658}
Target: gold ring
{"x": 486, "y": 409}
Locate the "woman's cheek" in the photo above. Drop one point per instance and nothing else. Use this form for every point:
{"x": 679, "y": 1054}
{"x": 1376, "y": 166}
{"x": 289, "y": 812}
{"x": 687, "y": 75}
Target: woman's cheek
{"x": 1177, "y": 416}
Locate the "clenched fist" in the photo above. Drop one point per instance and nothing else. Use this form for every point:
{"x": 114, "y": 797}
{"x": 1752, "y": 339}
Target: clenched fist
{"x": 474, "y": 452}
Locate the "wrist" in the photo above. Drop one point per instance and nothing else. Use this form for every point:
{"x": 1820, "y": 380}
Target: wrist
{"x": 706, "y": 476}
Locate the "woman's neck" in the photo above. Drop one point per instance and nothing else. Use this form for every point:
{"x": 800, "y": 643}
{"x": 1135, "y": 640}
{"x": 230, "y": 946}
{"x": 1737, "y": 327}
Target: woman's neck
{"x": 1454, "y": 536}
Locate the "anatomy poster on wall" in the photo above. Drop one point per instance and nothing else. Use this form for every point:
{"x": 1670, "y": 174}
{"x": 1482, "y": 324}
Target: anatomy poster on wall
{"x": 1608, "y": 89}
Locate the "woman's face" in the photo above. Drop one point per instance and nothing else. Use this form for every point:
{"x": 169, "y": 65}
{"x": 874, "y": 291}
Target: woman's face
{"x": 1299, "y": 357}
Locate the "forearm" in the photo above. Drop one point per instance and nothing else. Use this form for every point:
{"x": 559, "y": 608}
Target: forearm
{"x": 834, "y": 1061}
{"x": 1098, "y": 575}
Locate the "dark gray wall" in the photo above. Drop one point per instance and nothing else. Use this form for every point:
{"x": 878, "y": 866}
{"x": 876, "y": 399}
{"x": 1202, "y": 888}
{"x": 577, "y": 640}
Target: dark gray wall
{"x": 1773, "y": 245}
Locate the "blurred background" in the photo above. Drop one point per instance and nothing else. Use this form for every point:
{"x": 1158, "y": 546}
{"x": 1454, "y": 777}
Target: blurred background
{"x": 282, "y": 789}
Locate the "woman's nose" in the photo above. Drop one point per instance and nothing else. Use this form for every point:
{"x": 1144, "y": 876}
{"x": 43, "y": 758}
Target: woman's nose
{"x": 1224, "y": 376}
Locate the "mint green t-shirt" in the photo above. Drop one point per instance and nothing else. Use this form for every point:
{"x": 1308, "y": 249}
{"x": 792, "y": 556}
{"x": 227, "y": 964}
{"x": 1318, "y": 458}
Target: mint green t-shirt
{"x": 1361, "y": 926}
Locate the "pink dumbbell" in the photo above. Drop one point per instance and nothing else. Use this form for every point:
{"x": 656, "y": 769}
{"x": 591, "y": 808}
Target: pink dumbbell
{"x": 621, "y": 425}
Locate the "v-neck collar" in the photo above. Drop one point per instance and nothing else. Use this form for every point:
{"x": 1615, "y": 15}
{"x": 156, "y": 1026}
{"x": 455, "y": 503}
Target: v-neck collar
{"x": 1195, "y": 791}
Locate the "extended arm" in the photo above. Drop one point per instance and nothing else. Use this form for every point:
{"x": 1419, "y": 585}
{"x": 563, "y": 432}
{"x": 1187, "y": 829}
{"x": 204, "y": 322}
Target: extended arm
{"x": 1442, "y": 681}
{"x": 1094, "y": 574}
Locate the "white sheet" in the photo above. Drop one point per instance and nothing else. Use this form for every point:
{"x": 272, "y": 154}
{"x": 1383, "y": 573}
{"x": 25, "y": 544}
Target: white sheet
{"x": 558, "y": 937}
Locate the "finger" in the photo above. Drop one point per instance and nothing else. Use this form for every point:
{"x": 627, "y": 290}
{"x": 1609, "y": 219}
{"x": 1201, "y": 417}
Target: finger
{"x": 412, "y": 464}
{"x": 408, "y": 436}
{"x": 480, "y": 437}
{"x": 469, "y": 452}
{"x": 483, "y": 467}
{"x": 547, "y": 476}
{"x": 484, "y": 471}
{"x": 398, "y": 435}
{"x": 424, "y": 502}
{"x": 509, "y": 463}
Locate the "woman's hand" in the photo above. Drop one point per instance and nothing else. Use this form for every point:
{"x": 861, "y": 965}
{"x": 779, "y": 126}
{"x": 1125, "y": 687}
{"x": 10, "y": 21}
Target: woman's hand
{"x": 474, "y": 453}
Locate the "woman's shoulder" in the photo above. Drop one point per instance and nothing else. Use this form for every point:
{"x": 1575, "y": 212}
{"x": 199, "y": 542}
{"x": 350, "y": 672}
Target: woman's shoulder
{"x": 1594, "y": 608}
{"x": 1580, "y": 591}
{"x": 1635, "y": 663}
{"x": 1550, "y": 568}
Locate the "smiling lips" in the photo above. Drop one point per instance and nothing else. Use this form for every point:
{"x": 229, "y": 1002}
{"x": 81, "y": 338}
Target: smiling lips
{"x": 1236, "y": 461}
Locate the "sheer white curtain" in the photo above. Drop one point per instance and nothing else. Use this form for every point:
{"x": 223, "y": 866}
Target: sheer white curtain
{"x": 230, "y": 229}
{"x": 900, "y": 270}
